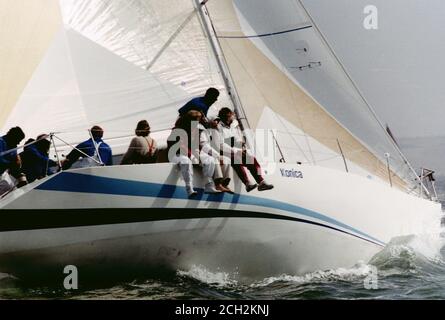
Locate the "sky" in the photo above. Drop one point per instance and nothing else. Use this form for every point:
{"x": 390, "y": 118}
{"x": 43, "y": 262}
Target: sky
{"x": 399, "y": 67}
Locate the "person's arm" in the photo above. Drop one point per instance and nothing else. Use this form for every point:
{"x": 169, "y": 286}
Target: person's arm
{"x": 154, "y": 147}
{"x": 38, "y": 156}
{"x": 206, "y": 147}
{"x": 227, "y": 149}
{"x": 110, "y": 157}
{"x": 132, "y": 152}
{"x": 186, "y": 108}
{"x": 238, "y": 138}
{"x": 44, "y": 160}
{"x": 6, "y": 158}
{"x": 4, "y": 161}
{"x": 74, "y": 155}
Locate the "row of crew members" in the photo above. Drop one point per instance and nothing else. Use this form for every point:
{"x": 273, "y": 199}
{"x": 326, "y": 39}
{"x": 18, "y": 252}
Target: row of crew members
{"x": 34, "y": 162}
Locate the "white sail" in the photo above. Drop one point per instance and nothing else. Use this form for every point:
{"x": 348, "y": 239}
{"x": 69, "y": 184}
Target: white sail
{"x": 113, "y": 64}
{"x": 165, "y": 37}
{"x": 27, "y": 29}
{"x": 277, "y": 60}
{"x": 296, "y": 146}
{"x": 79, "y": 84}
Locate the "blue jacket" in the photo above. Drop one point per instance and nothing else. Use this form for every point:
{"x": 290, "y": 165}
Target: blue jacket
{"x": 88, "y": 147}
{"x": 35, "y": 164}
{"x": 7, "y": 159}
{"x": 195, "y": 104}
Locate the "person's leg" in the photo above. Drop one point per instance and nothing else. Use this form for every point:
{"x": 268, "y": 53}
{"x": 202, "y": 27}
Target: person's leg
{"x": 241, "y": 171}
{"x": 16, "y": 172}
{"x": 208, "y": 170}
{"x": 222, "y": 175}
{"x": 226, "y": 171}
{"x": 218, "y": 175}
{"x": 255, "y": 170}
{"x": 239, "y": 168}
{"x": 186, "y": 168}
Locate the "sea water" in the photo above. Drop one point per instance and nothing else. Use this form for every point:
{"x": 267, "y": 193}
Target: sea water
{"x": 411, "y": 267}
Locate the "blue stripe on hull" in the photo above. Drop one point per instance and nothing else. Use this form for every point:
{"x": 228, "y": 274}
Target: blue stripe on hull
{"x": 82, "y": 183}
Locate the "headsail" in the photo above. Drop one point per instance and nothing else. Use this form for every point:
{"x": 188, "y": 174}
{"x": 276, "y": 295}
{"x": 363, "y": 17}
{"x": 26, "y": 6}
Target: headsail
{"x": 278, "y": 62}
{"x": 114, "y": 63}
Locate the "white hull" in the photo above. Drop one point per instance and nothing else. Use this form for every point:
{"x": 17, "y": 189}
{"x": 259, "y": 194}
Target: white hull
{"x": 140, "y": 216}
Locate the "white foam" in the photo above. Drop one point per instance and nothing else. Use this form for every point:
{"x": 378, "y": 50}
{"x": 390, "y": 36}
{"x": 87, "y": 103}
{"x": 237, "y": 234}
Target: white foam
{"x": 428, "y": 246}
{"x": 203, "y": 275}
{"x": 4, "y": 276}
{"x": 358, "y": 272}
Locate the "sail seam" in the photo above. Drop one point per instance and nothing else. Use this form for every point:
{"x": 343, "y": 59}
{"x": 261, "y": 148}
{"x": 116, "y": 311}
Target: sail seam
{"x": 265, "y": 34}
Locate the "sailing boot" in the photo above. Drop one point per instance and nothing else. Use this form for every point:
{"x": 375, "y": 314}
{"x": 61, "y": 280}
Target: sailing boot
{"x": 210, "y": 188}
{"x": 251, "y": 187}
{"x": 225, "y": 182}
{"x": 190, "y": 191}
{"x": 264, "y": 186}
{"x": 222, "y": 188}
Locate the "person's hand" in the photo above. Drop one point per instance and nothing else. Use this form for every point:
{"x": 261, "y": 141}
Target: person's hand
{"x": 64, "y": 164}
{"x": 58, "y": 168}
{"x": 15, "y": 164}
{"x": 194, "y": 159}
{"x": 213, "y": 124}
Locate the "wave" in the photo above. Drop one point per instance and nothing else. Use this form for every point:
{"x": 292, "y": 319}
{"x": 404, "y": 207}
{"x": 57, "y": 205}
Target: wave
{"x": 402, "y": 256}
{"x": 201, "y": 274}
{"x": 359, "y": 271}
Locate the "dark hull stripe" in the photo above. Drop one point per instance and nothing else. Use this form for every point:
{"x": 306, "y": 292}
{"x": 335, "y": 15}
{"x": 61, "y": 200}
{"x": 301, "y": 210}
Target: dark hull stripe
{"x": 23, "y": 220}
{"x": 90, "y": 184}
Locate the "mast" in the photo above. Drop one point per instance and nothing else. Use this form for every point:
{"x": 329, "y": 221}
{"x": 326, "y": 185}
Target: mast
{"x": 362, "y": 97}
{"x": 210, "y": 31}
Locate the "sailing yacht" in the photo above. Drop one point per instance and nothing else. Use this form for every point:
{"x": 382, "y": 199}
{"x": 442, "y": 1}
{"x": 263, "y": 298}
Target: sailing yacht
{"x": 343, "y": 189}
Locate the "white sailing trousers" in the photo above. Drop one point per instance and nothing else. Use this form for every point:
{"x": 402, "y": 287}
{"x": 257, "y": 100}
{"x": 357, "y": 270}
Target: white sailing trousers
{"x": 208, "y": 165}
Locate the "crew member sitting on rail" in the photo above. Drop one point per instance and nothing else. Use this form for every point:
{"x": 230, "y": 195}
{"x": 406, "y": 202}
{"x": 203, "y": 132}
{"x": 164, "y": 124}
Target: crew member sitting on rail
{"x": 142, "y": 148}
{"x": 90, "y": 153}
{"x": 233, "y": 146}
{"x": 187, "y": 147}
{"x": 36, "y": 163}
{"x": 203, "y": 105}
{"x": 10, "y": 163}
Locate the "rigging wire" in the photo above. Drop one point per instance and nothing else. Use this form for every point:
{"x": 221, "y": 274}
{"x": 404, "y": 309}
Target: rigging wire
{"x": 370, "y": 108}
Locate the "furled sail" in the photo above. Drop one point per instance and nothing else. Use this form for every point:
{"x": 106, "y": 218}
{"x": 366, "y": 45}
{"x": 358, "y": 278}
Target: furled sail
{"x": 279, "y": 64}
